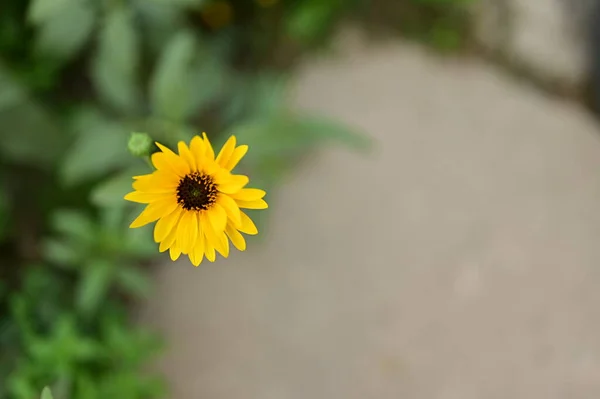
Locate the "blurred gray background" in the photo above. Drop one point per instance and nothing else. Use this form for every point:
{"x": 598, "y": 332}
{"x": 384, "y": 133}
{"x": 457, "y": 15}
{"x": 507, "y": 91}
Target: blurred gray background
{"x": 457, "y": 260}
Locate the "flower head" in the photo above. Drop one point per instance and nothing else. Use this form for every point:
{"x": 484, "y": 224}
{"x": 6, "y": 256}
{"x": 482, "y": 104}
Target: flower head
{"x": 196, "y": 201}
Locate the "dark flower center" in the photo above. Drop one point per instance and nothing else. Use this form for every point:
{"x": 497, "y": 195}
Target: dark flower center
{"x": 196, "y": 192}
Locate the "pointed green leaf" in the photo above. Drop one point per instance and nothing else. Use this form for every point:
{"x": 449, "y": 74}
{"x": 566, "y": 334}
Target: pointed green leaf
{"x": 270, "y": 94}
{"x": 111, "y": 191}
{"x": 317, "y": 128}
{"x": 64, "y": 33}
{"x": 115, "y": 66}
{"x": 19, "y": 113}
{"x": 208, "y": 80}
{"x": 101, "y": 147}
{"x": 60, "y": 252}
{"x": 164, "y": 18}
{"x": 93, "y": 286}
{"x": 286, "y": 135}
{"x": 74, "y": 224}
{"x": 47, "y": 394}
{"x": 170, "y": 91}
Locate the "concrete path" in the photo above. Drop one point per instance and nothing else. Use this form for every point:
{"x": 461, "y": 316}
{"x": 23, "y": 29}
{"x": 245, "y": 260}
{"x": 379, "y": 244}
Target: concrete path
{"x": 461, "y": 260}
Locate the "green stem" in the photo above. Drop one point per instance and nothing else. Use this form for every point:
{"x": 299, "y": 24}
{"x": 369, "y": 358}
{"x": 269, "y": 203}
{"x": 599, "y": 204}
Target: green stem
{"x": 149, "y": 162}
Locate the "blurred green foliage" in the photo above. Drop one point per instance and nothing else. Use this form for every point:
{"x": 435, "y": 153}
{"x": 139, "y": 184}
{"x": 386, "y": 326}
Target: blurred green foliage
{"x": 76, "y": 76}
{"x": 444, "y": 25}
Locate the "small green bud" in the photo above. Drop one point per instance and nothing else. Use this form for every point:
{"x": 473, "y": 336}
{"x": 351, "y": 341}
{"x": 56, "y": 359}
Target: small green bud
{"x": 140, "y": 144}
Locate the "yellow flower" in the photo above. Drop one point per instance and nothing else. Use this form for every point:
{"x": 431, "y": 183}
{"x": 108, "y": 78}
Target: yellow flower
{"x": 196, "y": 200}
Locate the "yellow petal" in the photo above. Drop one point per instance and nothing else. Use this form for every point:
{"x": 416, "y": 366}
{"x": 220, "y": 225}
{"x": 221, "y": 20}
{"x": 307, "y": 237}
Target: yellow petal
{"x": 237, "y": 155}
{"x": 226, "y": 152}
{"x": 197, "y": 253}
{"x": 154, "y": 211}
{"x": 168, "y": 241}
{"x": 234, "y": 184}
{"x": 223, "y": 248}
{"x": 220, "y": 175}
{"x": 196, "y": 257}
{"x": 167, "y": 159}
{"x": 212, "y": 240}
{"x": 146, "y": 197}
{"x": 231, "y": 208}
{"x": 158, "y": 182}
{"x": 210, "y": 153}
{"x": 217, "y": 217}
{"x": 209, "y": 251}
{"x": 248, "y": 225}
{"x": 174, "y": 252}
{"x": 236, "y": 238}
{"x": 209, "y": 167}
{"x": 249, "y": 194}
{"x": 256, "y": 204}
{"x": 198, "y": 149}
{"x": 186, "y": 155}
{"x": 166, "y": 224}
{"x": 163, "y": 162}
{"x": 187, "y": 231}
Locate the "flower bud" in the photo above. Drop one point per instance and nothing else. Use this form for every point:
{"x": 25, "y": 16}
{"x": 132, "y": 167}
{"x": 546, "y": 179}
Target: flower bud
{"x": 140, "y": 144}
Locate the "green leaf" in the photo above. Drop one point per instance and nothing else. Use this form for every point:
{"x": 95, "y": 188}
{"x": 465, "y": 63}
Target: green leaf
{"x": 111, "y": 219}
{"x": 19, "y": 312}
{"x": 170, "y": 91}
{"x": 111, "y": 191}
{"x": 115, "y": 66}
{"x": 261, "y": 95}
{"x": 100, "y": 148}
{"x": 20, "y": 385}
{"x": 60, "y": 252}
{"x": 69, "y": 346}
{"x": 46, "y": 394}
{"x": 134, "y": 281}
{"x": 86, "y": 388}
{"x": 74, "y": 224}
{"x": 270, "y": 94}
{"x": 84, "y": 349}
{"x": 39, "y": 140}
{"x": 322, "y": 129}
{"x": 62, "y": 34}
{"x": 283, "y": 136}
{"x": 138, "y": 242}
{"x": 93, "y": 286}
{"x": 11, "y": 92}
{"x": 165, "y": 18}
{"x": 43, "y": 10}
{"x": 311, "y": 19}
{"x": 208, "y": 80}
